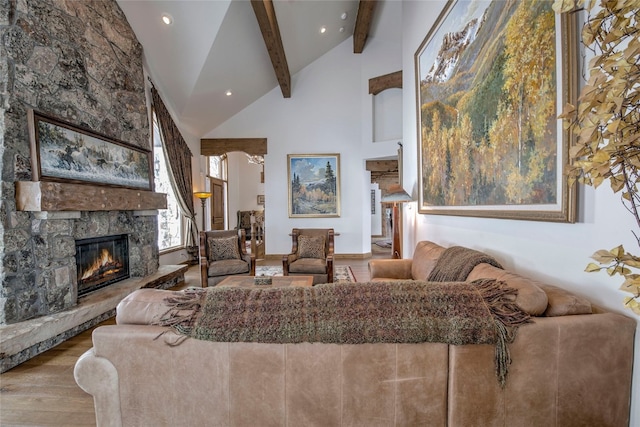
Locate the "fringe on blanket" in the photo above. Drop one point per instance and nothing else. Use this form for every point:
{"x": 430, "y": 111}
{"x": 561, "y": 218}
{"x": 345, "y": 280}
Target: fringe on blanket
{"x": 182, "y": 313}
{"x": 507, "y": 316}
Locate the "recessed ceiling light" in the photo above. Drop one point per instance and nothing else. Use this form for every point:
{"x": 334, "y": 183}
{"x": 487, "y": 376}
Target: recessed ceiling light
{"x": 323, "y": 29}
{"x": 229, "y": 93}
{"x": 167, "y": 19}
{"x": 343, "y": 16}
{"x": 342, "y": 29}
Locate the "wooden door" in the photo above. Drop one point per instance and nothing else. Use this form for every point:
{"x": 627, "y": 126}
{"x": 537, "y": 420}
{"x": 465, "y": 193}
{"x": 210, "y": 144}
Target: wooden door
{"x": 218, "y": 206}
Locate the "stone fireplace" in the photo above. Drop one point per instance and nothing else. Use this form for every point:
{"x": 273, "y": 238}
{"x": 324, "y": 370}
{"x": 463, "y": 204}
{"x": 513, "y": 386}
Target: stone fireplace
{"x": 78, "y": 61}
{"x": 64, "y": 310}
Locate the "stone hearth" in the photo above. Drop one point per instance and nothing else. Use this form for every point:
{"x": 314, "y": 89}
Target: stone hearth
{"x": 24, "y": 340}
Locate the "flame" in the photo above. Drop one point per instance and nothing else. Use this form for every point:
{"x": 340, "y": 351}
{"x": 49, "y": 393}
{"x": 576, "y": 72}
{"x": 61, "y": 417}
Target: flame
{"x": 105, "y": 258}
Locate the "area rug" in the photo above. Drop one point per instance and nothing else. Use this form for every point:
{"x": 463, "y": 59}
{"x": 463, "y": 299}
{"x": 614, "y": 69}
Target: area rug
{"x": 341, "y": 273}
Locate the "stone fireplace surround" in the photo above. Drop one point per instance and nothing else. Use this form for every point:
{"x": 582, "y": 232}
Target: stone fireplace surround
{"x": 78, "y": 61}
{"x": 59, "y": 314}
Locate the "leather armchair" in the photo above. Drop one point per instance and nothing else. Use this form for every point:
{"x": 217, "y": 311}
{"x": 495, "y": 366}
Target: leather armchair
{"x": 311, "y": 254}
{"x": 220, "y": 258}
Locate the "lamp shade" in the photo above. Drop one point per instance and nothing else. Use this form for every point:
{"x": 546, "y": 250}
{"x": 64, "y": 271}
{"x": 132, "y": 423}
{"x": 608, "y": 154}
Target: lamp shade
{"x": 202, "y": 195}
{"x": 396, "y": 194}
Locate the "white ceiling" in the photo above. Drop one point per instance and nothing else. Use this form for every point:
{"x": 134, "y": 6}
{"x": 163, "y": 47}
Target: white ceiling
{"x": 216, "y": 45}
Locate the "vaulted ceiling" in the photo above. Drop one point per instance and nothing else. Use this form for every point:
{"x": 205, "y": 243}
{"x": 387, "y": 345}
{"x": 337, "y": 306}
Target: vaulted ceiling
{"x": 213, "y": 47}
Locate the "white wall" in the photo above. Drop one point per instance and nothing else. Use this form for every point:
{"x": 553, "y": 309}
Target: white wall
{"x": 321, "y": 117}
{"x": 554, "y": 253}
{"x": 244, "y": 186}
{"x": 330, "y": 111}
{"x": 387, "y": 115}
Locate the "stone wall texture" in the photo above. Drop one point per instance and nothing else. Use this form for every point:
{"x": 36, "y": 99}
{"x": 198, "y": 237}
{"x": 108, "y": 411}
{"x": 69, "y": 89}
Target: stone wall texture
{"x": 77, "y": 60}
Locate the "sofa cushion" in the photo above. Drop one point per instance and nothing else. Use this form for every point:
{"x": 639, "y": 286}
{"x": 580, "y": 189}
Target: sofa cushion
{"x": 311, "y": 247}
{"x": 531, "y": 298}
{"x": 564, "y": 303}
{"x": 143, "y": 307}
{"x": 425, "y": 257}
{"x": 223, "y": 248}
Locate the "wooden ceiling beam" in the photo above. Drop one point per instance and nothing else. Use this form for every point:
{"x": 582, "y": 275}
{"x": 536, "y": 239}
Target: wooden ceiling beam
{"x": 388, "y": 81}
{"x": 266, "y": 15}
{"x": 220, "y": 146}
{"x": 382, "y": 165}
{"x": 363, "y": 23}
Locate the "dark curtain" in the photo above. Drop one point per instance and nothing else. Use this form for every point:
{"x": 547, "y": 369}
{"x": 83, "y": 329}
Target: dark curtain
{"x": 178, "y": 158}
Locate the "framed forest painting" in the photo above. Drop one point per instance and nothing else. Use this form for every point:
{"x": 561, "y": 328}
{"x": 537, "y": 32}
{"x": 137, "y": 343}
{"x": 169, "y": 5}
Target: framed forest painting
{"x": 314, "y": 185}
{"x": 491, "y": 79}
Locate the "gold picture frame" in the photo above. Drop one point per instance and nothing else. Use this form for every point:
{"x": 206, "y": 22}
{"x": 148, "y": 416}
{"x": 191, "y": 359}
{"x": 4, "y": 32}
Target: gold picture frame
{"x": 489, "y": 140}
{"x": 313, "y": 185}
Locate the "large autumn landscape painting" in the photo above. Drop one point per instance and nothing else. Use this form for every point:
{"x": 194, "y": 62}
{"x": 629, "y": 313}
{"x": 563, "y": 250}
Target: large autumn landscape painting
{"x": 487, "y": 98}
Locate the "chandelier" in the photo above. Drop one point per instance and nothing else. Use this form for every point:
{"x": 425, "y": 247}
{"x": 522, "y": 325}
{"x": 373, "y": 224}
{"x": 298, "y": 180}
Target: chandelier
{"x": 256, "y": 160}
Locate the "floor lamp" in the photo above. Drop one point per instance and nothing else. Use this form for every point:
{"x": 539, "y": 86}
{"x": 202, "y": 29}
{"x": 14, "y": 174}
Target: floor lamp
{"x": 396, "y": 194}
{"x": 203, "y": 196}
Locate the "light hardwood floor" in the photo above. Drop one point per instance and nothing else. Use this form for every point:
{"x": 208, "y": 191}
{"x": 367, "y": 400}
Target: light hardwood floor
{"x": 43, "y": 392}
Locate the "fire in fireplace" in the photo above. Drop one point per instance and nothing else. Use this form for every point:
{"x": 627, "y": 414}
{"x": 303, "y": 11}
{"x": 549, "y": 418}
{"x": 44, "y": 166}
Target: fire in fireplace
{"x": 101, "y": 261}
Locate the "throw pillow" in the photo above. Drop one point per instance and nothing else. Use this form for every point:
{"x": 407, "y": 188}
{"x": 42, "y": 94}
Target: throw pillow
{"x": 224, "y": 248}
{"x": 531, "y": 298}
{"x": 311, "y": 247}
{"x": 564, "y": 303}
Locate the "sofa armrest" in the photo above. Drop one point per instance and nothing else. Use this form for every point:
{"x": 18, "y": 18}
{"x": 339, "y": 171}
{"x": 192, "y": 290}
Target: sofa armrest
{"x": 390, "y": 269}
{"x": 286, "y": 262}
{"x": 329, "y": 268}
{"x": 567, "y": 370}
{"x": 204, "y": 271}
{"x": 98, "y": 377}
{"x": 251, "y": 260}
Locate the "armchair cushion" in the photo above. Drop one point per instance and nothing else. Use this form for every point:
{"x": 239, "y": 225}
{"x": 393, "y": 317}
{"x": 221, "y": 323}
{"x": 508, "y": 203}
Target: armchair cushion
{"x": 226, "y": 267}
{"x": 311, "y": 247}
{"x": 308, "y": 266}
{"x": 224, "y": 248}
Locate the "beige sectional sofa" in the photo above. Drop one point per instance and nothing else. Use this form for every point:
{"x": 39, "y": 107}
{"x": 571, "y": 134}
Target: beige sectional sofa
{"x": 571, "y": 367}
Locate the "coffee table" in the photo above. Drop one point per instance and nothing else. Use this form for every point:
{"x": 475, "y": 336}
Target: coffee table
{"x": 277, "y": 282}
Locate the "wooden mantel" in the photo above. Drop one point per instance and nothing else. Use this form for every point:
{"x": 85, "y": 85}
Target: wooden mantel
{"x": 57, "y": 196}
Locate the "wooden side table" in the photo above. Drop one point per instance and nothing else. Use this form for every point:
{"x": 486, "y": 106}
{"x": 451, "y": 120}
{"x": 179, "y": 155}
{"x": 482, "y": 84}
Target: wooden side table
{"x": 277, "y": 282}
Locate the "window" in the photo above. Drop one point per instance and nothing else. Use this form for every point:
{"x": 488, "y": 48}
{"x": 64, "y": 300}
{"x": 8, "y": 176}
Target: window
{"x": 170, "y": 219}
{"x": 218, "y": 167}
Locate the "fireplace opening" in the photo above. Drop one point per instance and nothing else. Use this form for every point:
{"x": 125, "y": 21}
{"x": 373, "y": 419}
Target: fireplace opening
{"x": 101, "y": 261}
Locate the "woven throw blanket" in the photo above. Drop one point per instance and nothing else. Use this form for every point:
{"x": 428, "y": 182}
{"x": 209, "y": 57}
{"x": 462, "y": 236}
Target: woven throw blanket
{"x": 480, "y": 312}
{"x": 456, "y": 262}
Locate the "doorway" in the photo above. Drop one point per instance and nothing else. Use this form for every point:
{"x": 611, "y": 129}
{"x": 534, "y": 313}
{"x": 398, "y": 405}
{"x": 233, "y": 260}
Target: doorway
{"x": 218, "y": 204}
{"x": 384, "y": 172}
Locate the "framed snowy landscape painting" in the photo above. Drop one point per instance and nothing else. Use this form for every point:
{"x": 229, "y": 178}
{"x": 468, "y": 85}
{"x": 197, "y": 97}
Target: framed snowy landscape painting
{"x": 491, "y": 78}
{"x": 314, "y": 185}
{"x": 63, "y": 152}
